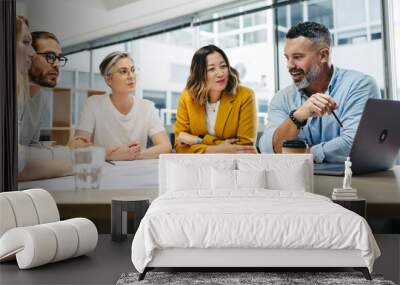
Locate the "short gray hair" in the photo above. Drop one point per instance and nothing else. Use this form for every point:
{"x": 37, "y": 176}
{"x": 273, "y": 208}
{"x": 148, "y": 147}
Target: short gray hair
{"x": 109, "y": 61}
{"x": 315, "y": 32}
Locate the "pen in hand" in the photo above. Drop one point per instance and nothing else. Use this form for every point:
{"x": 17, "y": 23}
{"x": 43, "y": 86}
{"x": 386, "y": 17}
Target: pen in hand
{"x": 337, "y": 119}
{"x": 110, "y": 162}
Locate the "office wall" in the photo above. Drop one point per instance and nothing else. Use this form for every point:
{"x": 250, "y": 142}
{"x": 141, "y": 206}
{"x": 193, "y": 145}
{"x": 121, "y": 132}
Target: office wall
{"x": 77, "y": 21}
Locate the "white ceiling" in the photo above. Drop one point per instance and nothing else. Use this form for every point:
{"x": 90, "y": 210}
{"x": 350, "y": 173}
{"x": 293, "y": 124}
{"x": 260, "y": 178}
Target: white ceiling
{"x": 79, "y": 21}
{"x": 112, "y": 4}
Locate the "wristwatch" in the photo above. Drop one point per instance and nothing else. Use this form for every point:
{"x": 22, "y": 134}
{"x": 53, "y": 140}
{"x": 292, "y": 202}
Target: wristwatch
{"x": 298, "y": 124}
{"x": 199, "y": 139}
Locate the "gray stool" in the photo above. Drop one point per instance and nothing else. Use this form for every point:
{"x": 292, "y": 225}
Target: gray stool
{"x": 119, "y": 215}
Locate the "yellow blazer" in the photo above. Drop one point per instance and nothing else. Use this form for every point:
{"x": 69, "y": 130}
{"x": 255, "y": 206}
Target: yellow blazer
{"x": 236, "y": 118}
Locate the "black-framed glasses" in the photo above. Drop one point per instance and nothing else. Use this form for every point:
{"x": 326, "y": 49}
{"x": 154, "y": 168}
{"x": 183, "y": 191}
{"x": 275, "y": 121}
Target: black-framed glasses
{"x": 51, "y": 58}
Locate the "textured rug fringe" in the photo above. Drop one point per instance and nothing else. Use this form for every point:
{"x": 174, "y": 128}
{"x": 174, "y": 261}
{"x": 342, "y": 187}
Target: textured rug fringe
{"x": 244, "y": 278}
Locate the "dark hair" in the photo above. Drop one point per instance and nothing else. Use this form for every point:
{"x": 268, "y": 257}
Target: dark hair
{"x": 36, "y": 36}
{"x": 315, "y": 32}
{"x": 196, "y": 83}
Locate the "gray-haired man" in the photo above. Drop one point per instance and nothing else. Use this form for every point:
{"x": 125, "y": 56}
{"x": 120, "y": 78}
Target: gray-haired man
{"x": 298, "y": 111}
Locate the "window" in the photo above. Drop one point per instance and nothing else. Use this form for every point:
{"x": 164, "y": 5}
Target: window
{"x": 161, "y": 75}
{"x": 321, "y": 11}
{"x": 281, "y": 36}
{"x": 175, "y": 99}
{"x": 248, "y": 41}
{"x": 281, "y": 14}
{"x": 207, "y": 35}
{"x": 174, "y": 105}
{"x": 263, "y": 106}
{"x": 66, "y": 78}
{"x": 375, "y": 10}
{"x": 76, "y": 75}
{"x": 229, "y": 41}
{"x": 376, "y": 33}
{"x": 99, "y": 83}
{"x": 254, "y": 37}
{"x": 84, "y": 79}
{"x": 352, "y": 37}
{"x": 262, "y": 110}
{"x": 296, "y": 14}
{"x": 207, "y": 28}
{"x": 255, "y": 19}
{"x": 157, "y": 97}
{"x": 181, "y": 38}
{"x": 79, "y": 61}
{"x": 228, "y": 25}
{"x": 356, "y": 36}
{"x": 349, "y": 13}
{"x": 204, "y": 41}
{"x": 179, "y": 72}
{"x": 79, "y": 102}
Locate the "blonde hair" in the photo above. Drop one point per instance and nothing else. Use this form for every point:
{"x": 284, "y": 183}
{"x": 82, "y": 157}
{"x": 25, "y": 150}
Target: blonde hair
{"x": 196, "y": 84}
{"x": 22, "y": 78}
{"x": 108, "y": 62}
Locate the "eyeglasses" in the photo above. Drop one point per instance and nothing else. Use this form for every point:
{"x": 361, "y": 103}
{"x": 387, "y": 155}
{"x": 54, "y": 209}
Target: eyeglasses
{"x": 124, "y": 71}
{"x": 52, "y": 57}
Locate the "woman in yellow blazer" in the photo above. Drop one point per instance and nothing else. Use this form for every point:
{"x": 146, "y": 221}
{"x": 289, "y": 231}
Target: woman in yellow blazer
{"x": 215, "y": 114}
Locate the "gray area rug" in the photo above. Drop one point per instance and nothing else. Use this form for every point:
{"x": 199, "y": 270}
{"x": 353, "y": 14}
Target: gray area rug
{"x": 273, "y": 278}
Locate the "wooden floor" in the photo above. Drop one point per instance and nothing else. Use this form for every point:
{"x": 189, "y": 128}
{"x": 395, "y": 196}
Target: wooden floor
{"x": 103, "y": 266}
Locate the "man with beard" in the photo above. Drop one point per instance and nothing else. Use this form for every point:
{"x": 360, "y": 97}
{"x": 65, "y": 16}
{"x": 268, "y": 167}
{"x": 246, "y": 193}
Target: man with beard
{"x": 306, "y": 110}
{"x": 43, "y": 76}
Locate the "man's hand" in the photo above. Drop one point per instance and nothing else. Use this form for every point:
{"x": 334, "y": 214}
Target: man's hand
{"x": 78, "y": 142}
{"x": 316, "y": 106}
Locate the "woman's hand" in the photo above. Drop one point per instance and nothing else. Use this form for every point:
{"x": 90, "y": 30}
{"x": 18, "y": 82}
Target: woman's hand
{"x": 124, "y": 152}
{"x": 186, "y": 139}
{"x": 229, "y": 146}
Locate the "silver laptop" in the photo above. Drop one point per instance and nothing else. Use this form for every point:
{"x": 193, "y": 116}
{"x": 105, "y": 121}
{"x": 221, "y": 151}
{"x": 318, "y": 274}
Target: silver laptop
{"x": 376, "y": 143}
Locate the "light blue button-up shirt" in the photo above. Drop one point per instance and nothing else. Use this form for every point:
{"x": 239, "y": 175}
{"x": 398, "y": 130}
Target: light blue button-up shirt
{"x": 330, "y": 143}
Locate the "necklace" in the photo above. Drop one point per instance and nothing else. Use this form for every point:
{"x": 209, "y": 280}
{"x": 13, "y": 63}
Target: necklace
{"x": 212, "y": 106}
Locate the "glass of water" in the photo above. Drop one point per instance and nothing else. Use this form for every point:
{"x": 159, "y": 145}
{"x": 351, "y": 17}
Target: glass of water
{"x": 87, "y": 163}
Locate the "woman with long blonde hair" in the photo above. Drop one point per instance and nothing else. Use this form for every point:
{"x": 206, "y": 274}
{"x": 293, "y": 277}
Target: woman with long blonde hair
{"x": 215, "y": 113}
{"x": 24, "y": 55}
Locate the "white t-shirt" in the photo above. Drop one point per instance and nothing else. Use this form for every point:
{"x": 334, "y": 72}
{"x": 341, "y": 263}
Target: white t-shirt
{"x": 212, "y": 111}
{"x": 109, "y": 127}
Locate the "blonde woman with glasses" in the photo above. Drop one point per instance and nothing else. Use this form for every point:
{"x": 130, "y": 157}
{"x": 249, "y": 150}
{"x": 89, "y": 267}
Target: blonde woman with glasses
{"x": 120, "y": 122}
{"x": 215, "y": 113}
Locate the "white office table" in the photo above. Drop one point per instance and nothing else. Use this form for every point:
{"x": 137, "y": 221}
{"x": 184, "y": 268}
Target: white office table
{"x": 140, "y": 178}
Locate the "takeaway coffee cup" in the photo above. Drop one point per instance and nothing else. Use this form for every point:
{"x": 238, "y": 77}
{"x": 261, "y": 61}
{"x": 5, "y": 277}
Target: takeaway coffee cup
{"x": 294, "y": 146}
